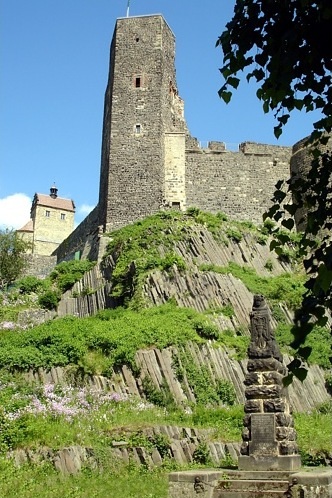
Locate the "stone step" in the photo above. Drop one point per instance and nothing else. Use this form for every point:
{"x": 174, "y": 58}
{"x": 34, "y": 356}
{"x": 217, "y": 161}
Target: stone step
{"x": 247, "y": 494}
{"x": 252, "y": 485}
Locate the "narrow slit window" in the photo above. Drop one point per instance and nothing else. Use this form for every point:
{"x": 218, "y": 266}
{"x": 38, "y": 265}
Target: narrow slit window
{"x": 138, "y": 129}
{"x": 138, "y": 82}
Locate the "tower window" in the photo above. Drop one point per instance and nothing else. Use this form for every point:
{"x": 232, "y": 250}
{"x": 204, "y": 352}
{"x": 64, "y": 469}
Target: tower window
{"x": 62, "y": 216}
{"x": 47, "y": 213}
{"x": 138, "y": 82}
{"x": 138, "y": 129}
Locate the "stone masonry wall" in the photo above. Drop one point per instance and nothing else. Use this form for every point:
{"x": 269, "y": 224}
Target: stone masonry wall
{"x": 300, "y": 166}
{"x": 85, "y": 239}
{"x": 240, "y": 184}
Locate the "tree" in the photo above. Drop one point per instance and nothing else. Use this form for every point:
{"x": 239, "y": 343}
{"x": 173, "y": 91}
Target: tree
{"x": 12, "y": 256}
{"x": 285, "y": 46}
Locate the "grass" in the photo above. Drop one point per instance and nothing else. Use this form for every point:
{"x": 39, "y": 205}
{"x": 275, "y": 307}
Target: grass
{"x": 42, "y": 481}
{"x": 287, "y": 287}
{"x": 314, "y": 437}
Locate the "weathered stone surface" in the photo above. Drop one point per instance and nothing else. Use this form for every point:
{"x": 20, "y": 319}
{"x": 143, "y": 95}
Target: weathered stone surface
{"x": 274, "y": 405}
{"x": 285, "y": 433}
{"x": 262, "y": 435}
{"x": 265, "y": 364}
{"x": 266, "y": 445}
{"x": 272, "y": 378}
{"x": 263, "y": 392}
{"x": 252, "y": 406}
{"x": 284, "y": 420}
{"x": 252, "y": 378}
{"x": 226, "y": 483}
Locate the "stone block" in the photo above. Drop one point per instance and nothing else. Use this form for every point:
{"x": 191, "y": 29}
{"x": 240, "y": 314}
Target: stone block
{"x": 261, "y": 392}
{"x": 274, "y": 405}
{"x": 265, "y": 365}
{"x": 252, "y": 406}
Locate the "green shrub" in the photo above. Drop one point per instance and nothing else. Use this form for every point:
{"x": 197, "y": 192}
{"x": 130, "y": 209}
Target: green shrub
{"x": 118, "y": 334}
{"x": 269, "y": 265}
{"x": 201, "y": 455}
{"x": 159, "y": 397}
{"x": 29, "y": 284}
{"x": 328, "y": 383}
{"x": 234, "y": 234}
{"x": 49, "y": 299}
{"x": 67, "y": 273}
{"x": 225, "y": 391}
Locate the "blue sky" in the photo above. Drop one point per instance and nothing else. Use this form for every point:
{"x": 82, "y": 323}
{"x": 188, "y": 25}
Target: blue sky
{"x": 54, "y": 67}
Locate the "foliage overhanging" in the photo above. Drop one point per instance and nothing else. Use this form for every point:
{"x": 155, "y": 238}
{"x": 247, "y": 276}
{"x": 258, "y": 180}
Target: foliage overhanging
{"x": 285, "y": 47}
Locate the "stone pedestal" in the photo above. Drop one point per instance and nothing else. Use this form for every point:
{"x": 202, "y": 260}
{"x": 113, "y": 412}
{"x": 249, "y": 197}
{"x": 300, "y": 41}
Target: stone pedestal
{"x": 225, "y": 483}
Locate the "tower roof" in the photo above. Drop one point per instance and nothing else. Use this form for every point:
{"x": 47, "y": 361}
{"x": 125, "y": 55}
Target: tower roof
{"x": 28, "y": 227}
{"x": 53, "y": 202}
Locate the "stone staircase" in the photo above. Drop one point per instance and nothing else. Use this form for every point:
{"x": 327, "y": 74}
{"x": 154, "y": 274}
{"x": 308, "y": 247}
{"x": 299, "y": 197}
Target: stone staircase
{"x": 255, "y": 488}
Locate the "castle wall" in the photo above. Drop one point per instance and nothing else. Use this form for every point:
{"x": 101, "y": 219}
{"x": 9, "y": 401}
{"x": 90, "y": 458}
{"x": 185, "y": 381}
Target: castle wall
{"x": 300, "y": 165}
{"x": 83, "y": 240}
{"x": 240, "y": 184}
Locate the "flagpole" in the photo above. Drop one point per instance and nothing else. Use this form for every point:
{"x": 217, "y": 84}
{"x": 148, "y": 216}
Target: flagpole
{"x": 128, "y": 8}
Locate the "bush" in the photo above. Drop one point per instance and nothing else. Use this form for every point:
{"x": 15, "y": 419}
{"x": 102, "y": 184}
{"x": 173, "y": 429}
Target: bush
{"x": 226, "y": 392}
{"x": 49, "y": 300}
{"x": 30, "y": 284}
{"x": 201, "y": 454}
{"x": 67, "y": 273}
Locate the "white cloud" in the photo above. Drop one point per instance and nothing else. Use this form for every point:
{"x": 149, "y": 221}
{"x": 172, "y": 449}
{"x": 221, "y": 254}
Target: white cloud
{"x": 14, "y": 211}
{"x": 84, "y": 209}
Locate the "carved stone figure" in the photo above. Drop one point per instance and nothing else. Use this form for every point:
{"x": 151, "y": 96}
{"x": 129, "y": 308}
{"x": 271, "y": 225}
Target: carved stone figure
{"x": 263, "y": 343}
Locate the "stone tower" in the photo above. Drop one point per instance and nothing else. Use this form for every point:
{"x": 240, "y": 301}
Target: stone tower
{"x": 143, "y": 144}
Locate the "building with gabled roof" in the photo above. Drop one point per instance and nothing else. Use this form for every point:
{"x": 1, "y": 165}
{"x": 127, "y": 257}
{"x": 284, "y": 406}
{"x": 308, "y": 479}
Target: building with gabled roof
{"x": 52, "y": 221}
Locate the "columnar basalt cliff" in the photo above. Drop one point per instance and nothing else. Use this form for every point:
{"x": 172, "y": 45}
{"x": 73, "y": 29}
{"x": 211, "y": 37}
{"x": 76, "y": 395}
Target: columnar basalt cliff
{"x": 149, "y": 161}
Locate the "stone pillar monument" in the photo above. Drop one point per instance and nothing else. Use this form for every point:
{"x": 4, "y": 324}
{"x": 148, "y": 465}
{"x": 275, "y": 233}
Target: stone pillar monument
{"x": 268, "y": 435}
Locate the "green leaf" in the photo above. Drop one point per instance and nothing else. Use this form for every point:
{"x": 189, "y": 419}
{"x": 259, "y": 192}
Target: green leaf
{"x": 288, "y": 380}
{"x": 324, "y": 279}
{"x": 277, "y": 131}
{"x": 288, "y": 223}
{"x": 225, "y": 96}
{"x": 266, "y": 107}
{"x": 305, "y": 352}
{"x": 300, "y": 373}
{"x": 234, "y": 82}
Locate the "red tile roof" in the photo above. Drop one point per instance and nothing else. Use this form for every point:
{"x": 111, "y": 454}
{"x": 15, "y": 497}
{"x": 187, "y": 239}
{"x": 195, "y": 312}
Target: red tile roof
{"x": 28, "y": 227}
{"x": 57, "y": 202}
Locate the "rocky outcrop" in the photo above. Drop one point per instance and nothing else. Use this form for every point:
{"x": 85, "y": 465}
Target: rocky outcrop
{"x": 178, "y": 444}
{"x": 159, "y": 366}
